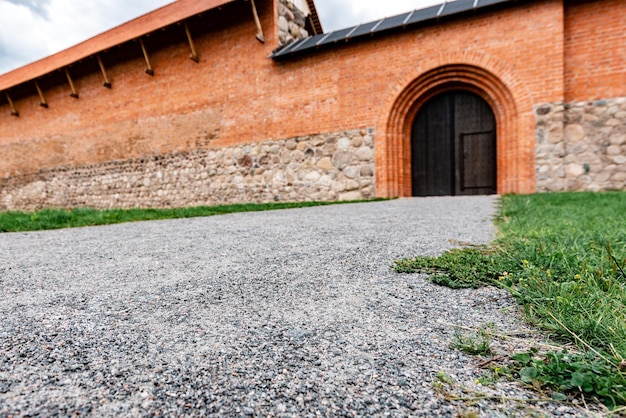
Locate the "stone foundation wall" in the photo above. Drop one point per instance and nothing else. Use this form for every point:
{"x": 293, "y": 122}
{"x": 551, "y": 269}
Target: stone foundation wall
{"x": 291, "y": 23}
{"x": 581, "y": 145}
{"x": 333, "y": 166}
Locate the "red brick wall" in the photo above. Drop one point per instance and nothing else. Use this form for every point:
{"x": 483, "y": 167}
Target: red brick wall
{"x": 595, "y": 49}
{"x": 247, "y": 97}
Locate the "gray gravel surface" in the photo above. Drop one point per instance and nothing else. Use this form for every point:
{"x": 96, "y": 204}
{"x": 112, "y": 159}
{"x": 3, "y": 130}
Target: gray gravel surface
{"x": 283, "y": 313}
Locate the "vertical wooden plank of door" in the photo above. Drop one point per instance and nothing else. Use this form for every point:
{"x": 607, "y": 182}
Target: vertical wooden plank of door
{"x": 474, "y": 121}
{"x": 432, "y": 148}
{"x": 441, "y": 146}
{"x": 464, "y": 122}
{"x": 419, "y": 153}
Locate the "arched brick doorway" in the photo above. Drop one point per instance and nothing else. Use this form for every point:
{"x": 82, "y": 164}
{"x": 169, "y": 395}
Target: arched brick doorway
{"x": 513, "y": 157}
{"x": 453, "y": 146}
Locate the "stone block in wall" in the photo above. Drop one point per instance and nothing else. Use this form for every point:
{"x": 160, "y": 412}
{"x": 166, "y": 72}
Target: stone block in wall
{"x": 305, "y": 168}
{"x": 549, "y": 169}
{"x": 291, "y": 22}
{"x": 581, "y": 146}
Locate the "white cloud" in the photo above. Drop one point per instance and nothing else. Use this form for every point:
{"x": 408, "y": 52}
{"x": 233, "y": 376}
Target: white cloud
{"x": 27, "y": 35}
{"x": 35, "y": 6}
{"x": 17, "y": 45}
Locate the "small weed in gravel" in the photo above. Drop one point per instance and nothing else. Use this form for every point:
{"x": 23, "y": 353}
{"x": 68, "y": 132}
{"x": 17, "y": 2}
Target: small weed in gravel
{"x": 471, "y": 343}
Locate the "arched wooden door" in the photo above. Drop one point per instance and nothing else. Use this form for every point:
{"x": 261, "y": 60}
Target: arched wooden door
{"x": 453, "y": 146}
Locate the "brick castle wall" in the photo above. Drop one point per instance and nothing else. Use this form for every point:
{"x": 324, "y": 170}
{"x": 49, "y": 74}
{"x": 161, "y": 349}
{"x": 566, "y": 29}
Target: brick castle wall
{"x": 236, "y": 96}
{"x": 257, "y": 100}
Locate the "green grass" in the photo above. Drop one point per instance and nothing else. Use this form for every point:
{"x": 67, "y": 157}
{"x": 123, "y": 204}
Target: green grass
{"x": 563, "y": 256}
{"x": 61, "y": 218}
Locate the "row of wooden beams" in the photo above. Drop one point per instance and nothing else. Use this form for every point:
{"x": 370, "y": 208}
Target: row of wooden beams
{"x": 149, "y": 70}
{"x": 73, "y": 92}
{"x": 193, "y": 56}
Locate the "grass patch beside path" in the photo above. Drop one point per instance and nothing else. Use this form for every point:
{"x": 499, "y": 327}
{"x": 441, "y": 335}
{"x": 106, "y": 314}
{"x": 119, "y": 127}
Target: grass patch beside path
{"x": 563, "y": 256}
{"x": 61, "y": 218}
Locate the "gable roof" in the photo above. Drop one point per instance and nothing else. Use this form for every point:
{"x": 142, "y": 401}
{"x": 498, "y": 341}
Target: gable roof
{"x": 403, "y": 21}
{"x": 157, "y": 19}
{"x": 315, "y": 19}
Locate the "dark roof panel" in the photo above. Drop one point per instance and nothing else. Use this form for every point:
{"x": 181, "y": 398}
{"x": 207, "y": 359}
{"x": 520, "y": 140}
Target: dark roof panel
{"x": 393, "y": 22}
{"x": 288, "y": 48}
{"x": 338, "y": 35}
{"x": 364, "y": 29}
{"x": 483, "y": 3}
{"x": 306, "y": 43}
{"x": 457, "y": 6}
{"x": 411, "y": 19}
{"x": 424, "y": 14}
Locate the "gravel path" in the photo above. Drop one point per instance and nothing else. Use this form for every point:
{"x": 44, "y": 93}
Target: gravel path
{"x": 292, "y": 312}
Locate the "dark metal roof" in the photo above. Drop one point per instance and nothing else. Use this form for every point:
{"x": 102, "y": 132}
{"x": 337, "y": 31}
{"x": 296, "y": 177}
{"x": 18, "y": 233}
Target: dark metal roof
{"x": 402, "y": 21}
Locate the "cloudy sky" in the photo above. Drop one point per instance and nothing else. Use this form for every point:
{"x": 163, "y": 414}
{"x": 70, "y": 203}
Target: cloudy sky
{"x": 33, "y": 29}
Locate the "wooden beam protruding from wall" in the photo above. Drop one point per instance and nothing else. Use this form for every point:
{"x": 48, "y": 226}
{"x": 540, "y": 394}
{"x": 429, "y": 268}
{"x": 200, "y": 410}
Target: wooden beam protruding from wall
{"x": 42, "y": 99}
{"x": 107, "y": 82}
{"x": 194, "y": 54}
{"x": 259, "y": 34}
{"x": 74, "y": 93}
{"x": 149, "y": 69}
{"x": 312, "y": 24}
{"x": 14, "y": 111}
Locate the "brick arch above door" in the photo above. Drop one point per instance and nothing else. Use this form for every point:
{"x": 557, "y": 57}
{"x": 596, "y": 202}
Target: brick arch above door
{"x": 496, "y": 84}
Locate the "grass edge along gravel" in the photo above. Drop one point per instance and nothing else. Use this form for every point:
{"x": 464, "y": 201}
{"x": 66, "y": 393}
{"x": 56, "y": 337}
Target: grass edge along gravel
{"x": 46, "y": 219}
{"x": 563, "y": 257}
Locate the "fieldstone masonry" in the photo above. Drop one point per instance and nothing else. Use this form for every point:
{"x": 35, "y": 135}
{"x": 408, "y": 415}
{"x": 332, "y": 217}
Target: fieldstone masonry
{"x": 581, "y": 145}
{"x": 291, "y": 23}
{"x": 331, "y": 166}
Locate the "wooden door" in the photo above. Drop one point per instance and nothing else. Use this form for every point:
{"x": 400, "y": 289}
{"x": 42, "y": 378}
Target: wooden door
{"x": 453, "y": 147}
